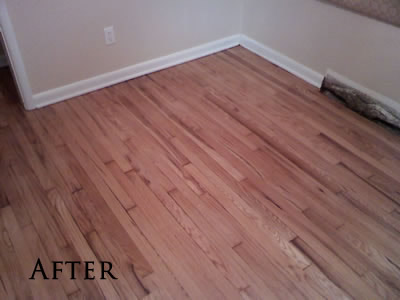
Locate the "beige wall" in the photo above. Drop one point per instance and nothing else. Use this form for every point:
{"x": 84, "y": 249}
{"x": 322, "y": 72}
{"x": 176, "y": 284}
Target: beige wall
{"x": 63, "y": 41}
{"x": 321, "y": 36}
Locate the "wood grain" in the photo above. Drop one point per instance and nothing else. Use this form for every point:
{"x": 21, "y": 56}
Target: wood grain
{"x": 222, "y": 178}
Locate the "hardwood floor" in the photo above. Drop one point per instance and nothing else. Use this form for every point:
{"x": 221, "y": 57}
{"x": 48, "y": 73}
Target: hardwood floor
{"x": 222, "y": 178}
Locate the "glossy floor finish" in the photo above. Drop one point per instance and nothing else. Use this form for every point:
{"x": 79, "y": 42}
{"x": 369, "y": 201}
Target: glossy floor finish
{"x": 222, "y": 178}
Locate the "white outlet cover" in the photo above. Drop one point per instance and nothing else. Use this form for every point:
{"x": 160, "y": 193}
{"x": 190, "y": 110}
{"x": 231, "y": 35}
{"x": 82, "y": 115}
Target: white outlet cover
{"x": 109, "y": 35}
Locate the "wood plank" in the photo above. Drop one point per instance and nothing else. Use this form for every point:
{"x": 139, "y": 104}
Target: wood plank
{"x": 12, "y": 275}
{"x": 27, "y": 258}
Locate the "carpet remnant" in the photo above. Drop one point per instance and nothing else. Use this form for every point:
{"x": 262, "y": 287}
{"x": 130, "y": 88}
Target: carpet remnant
{"x": 384, "y": 10}
{"x": 360, "y": 102}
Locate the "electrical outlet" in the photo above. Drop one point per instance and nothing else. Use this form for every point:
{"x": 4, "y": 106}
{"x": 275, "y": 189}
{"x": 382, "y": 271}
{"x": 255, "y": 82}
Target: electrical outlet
{"x": 109, "y": 35}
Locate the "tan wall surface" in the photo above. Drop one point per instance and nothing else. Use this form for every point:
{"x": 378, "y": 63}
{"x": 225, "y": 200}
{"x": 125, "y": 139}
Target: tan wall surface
{"x": 63, "y": 41}
{"x": 322, "y": 36}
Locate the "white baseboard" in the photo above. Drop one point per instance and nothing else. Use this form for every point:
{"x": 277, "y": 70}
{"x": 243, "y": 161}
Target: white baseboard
{"x": 283, "y": 61}
{"x": 3, "y": 61}
{"x": 374, "y": 95}
{"x": 108, "y": 79}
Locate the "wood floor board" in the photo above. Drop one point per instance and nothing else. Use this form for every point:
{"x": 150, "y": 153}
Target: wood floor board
{"x": 384, "y": 289}
{"x": 317, "y": 120}
{"x": 199, "y": 137}
{"x": 337, "y": 177}
{"x": 26, "y": 251}
{"x": 235, "y": 147}
{"x": 8, "y": 187}
{"x": 221, "y": 178}
{"x": 307, "y": 91}
{"x": 357, "y": 142}
{"x": 180, "y": 253}
{"x": 12, "y": 277}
